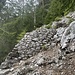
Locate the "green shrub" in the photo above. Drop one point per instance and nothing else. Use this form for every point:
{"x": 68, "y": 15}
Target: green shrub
{"x": 57, "y": 19}
{"x": 20, "y": 36}
{"x": 66, "y": 12}
{"x": 68, "y": 17}
{"x": 48, "y": 26}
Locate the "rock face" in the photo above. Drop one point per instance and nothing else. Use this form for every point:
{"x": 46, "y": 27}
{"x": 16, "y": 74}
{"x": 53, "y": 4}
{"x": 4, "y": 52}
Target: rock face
{"x": 64, "y": 21}
{"x": 43, "y": 52}
{"x": 68, "y": 34}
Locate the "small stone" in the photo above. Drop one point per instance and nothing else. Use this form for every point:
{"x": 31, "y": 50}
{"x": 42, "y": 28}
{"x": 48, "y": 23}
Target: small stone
{"x": 53, "y": 44}
{"x": 37, "y": 48}
{"x": 40, "y": 61}
{"x": 11, "y": 69}
{"x": 35, "y": 39}
{"x": 4, "y": 72}
{"x": 62, "y": 73}
{"x": 37, "y": 73}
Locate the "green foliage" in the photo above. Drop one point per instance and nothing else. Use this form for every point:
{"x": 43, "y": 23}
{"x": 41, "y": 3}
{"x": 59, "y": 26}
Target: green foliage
{"x": 54, "y": 11}
{"x": 44, "y": 47}
{"x": 48, "y": 26}
{"x": 8, "y": 36}
{"x": 12, "y": 31}
{"x": 66, "y": 12}
{"x": 2, "y": 3}
{"x": 20, "y": 36}
{"x": 57, "y": 19}
{"x": 41, "y": 12}
{"x": 59, "y": 8}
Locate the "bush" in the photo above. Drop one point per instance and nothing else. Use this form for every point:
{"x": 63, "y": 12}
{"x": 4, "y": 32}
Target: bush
{"x": 57, "y": 19}
{"x": 20, "y": 36}
{"x": 48, "y": 26}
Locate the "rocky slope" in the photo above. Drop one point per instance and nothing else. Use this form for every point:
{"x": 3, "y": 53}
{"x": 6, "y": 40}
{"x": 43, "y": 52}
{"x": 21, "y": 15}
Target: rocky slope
{"x": 44, "y": 51}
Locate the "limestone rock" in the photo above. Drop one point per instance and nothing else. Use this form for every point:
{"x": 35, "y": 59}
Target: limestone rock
{"x": 68, "y": 34}
{"x": 4, "y": 72}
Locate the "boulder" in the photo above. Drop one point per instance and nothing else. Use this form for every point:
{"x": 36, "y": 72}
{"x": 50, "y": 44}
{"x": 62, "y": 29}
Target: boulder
{"x": 4, "y": 72}
{"x": 68, "y": 34}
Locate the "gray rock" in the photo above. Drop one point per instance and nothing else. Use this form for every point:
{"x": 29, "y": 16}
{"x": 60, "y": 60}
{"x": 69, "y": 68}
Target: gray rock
{"x": 71, "y": 15}
{"x": 53, "y": 44}
{"x": 4, "y": 72}
{"x": 68, "y": 34}
{"x": 57, "y": 24}
{"x": 35, "y": 39}
{"x": 4, "y": 65}
{"x": 36, "y": 73}
{"x": 37, "y": 48}
{"x": 40, "y": 61}
{"x": 49, "y": 72}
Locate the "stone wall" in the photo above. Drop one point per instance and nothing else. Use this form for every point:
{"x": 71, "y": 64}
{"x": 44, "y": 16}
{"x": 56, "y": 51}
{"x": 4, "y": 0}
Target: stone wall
{"x": 32, "y": 43}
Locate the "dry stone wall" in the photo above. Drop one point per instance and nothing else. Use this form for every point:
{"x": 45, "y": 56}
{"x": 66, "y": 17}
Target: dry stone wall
{"x": 32, "y": 43}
